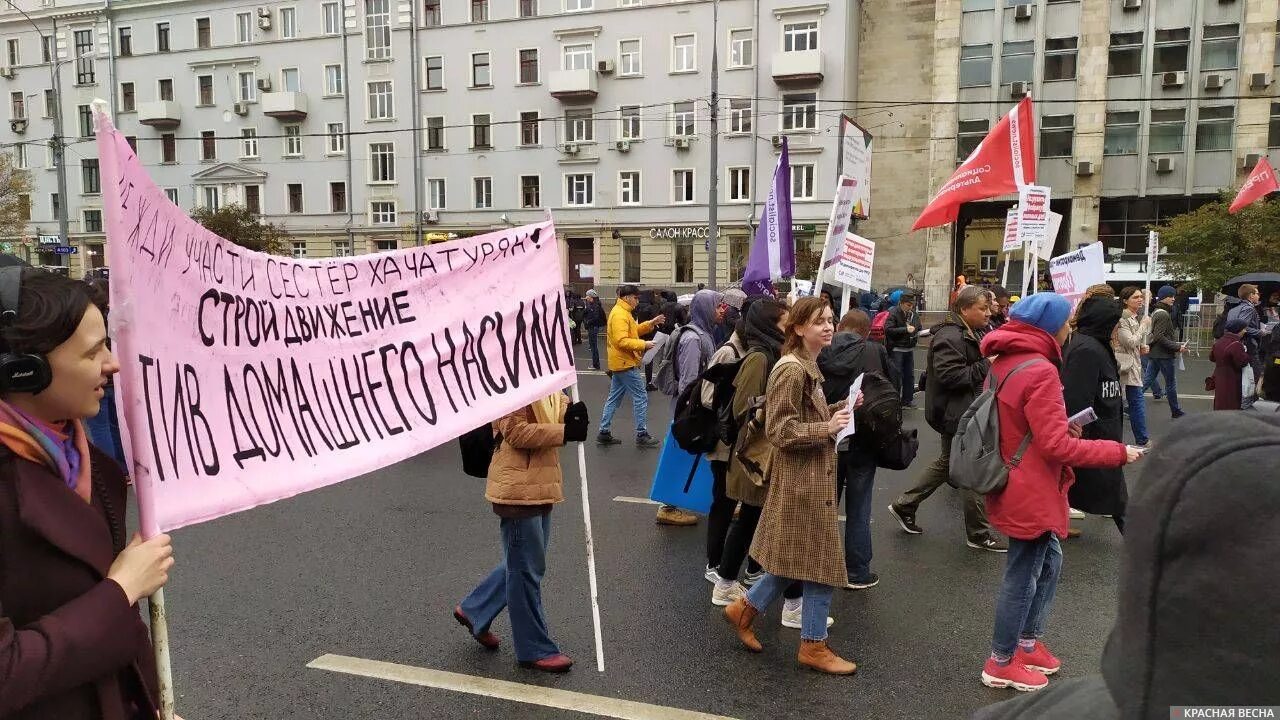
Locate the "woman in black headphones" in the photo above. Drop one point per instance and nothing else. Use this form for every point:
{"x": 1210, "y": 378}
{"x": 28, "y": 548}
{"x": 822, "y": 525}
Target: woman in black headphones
{"x": 72, "y": 644}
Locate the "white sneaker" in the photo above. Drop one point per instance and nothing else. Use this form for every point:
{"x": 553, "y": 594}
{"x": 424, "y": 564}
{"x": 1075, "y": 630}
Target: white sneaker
{"x": 792, "y": 618}
{"x": 711, "y": 575}
{"x": 1075, "y": 514}
{"x": 752, "y": 578}
{"x": 723, "y": 595}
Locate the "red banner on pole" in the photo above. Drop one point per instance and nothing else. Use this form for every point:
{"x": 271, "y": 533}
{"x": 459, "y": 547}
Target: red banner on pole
{"x": 1261, "y": 182}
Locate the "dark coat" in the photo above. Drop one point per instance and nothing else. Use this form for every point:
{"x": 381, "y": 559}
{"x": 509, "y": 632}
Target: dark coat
{"x": 1091, "y": 378}
{"x": 71, "y": 646}
{"x": 1229, "y": 358}
{"x": 593, "y": 316}
{"x": 896, "y": 334}
{"x": 847, "y": 357}
{"x": 956, "y": 373}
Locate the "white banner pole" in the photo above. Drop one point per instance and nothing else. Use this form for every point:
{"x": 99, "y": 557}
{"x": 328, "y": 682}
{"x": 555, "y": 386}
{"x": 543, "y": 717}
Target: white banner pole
{"x": 160, "y": 642}
{"x": 591, "y": 549}
{"x": 1004, "y": 275}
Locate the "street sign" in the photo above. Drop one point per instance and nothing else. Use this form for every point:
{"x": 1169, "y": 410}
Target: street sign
{"x": 66, "y": 250}
{"x": 49, "y": 240}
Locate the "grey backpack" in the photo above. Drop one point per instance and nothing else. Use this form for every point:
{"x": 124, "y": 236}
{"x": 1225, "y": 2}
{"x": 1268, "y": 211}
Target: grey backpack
{"x": 976, "y": 463}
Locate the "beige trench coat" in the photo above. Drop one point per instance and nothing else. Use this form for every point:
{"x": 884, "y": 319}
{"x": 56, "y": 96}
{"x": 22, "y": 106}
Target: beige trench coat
{"x": 1131, "y": 335}
{"x": 799, "y": 533}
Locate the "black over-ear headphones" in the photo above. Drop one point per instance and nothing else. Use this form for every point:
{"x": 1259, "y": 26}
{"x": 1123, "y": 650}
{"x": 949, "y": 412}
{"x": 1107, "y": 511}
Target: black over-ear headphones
{"x": 19, "y": 372}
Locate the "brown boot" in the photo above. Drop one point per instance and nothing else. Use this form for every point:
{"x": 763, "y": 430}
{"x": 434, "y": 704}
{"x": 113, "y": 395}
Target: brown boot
{"x": 817, "y": 655}
{"x": 741, "y": 614}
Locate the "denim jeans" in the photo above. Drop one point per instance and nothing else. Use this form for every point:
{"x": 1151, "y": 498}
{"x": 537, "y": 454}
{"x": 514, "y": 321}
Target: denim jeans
{"x": 593, "y": 340}
{"x": 857, "y": 471}
{"x": 817, "y": 603}
{"x": 1166, "y": 367}
{"x": 1153, "y": 384}
{"x": 906, "y": 362}
{"x": 516, "y": 584}
{"x": 627, "y": 382}
{"x": 1137, "y": 413}
{"x": 976, "y": 526}
{"x": 1026, "y": 593}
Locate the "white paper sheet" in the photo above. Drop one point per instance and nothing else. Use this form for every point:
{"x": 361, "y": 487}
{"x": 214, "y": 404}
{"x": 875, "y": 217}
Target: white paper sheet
{"x": 659, "y": 339}
{"x": 855, "y": 391}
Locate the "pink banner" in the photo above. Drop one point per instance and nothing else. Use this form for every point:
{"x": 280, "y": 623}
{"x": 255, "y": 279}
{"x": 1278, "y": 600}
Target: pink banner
{"x": 247, "y": 378}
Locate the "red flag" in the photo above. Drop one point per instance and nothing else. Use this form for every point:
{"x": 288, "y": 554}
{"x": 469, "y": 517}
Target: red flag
{"x": 1261, "y": 181}
{"x": 1002, "y": 162}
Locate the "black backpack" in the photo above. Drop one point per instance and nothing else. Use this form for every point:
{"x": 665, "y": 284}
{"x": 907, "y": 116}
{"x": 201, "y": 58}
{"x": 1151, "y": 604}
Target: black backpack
{"x": 879, "y": 419}
{"x": 696, "y": 427}
{"x": 478, "y": 447}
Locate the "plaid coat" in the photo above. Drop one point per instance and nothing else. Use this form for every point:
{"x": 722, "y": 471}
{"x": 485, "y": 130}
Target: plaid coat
{"x": 799, "y": 532}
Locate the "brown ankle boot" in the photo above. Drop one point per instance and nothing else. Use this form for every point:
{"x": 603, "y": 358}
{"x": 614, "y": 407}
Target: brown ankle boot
{"x": 741, "y": 614}
{"x": 817, "y": 655}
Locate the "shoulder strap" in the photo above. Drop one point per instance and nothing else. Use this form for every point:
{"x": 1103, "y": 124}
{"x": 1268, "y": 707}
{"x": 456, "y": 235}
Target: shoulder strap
{"x": 1026, "y": 439}
{"x": 991, "y": 375}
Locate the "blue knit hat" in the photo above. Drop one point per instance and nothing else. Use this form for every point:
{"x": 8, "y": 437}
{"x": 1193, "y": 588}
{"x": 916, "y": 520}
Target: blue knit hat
{"x": 1045, "y": 310}
{"x": 895, "y": 297}
{"x": 1166, "y": 292}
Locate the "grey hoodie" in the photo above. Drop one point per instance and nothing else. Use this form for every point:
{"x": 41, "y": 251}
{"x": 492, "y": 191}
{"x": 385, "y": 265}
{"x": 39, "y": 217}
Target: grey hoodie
{"x": 696, "y": 347}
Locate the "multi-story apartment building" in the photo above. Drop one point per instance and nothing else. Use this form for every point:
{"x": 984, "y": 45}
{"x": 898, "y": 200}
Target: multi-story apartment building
{"x": 362, "y": 125}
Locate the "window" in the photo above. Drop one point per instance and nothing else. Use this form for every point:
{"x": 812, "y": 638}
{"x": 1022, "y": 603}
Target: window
{"x": 204, "y": 89}
{"x": 629, "y": 187}
{"x": 975, "y": 65}
{"x": 579, "y": 189}
{"x": 335, "y": 138}
{"x": 1168, "y": 128}
{"x": 740, "y": 115}
{"x": 530, "y": 129}
{"x": 482, "y": 191}
{"x": 382, "y": 162}
{"x": 385, "y": 245}
{"x": 288, "y": 23}
{"x": 528, "y": 66}
{"x": 629, "y": 129}
{"x": 481, "y": 137}
{"x": 245, "y": 86}
{"x": 49, "y": 100}
{"x": 334, "y": 83}
{"x": 1122, "y": 222}
{"x": 1220, "y": 47}
{"x": 578, "y": 5}
{"x": 55, "y": 204}
{"x": 84, "y": 57}
{"x": 168, "y": 148}
{"x": 93, "y": 221}
{"x": 124, "y": 42}
{"x": 20, "y": 156}
{"x": 162, "y": 37}
{"x": 1056, "y": 132}
{"x": 579, "y": 126}
{"x": 480, "y": 71}
{"x": 342, "y": 248}
{"x": 798, "y": 37}
{"x": 85, "y": 114}
{"x": 682, "y": 191}
{"x": 479, "y": 10}
{"x": 164, "y": 88}
{"x": 17, "y": 105}
{"x": 739, "y": 184}
{"x": 1215, "y": 128}
{"x": 682, "y": 119}
{"x": 1017, "y": 62}
{"x": 204, "y": 38}
{"x": 248, "y": 142}
{"x": 1171, "y": 50}
{"x": 988, "y": 260}
{"x": 628, "y": 58}
{"x": 682, "y": 261}
{"x": 253, "y": 199}
{"x": 684, "y": 53}
{"x": 292, "y": 140}
{"x": 1273, "y": 129}
{"x": 293, "y": 191}
{"x": 435, "y": 133}
{"x": 14, "y": 58}
{"x": 800, "y": 112}
{"x": 1060, "y": 59}
{"x": 431, "y": 13}
{"x": 968, "y": 134}
{"x": 629, "y": 3}
{"x": 382, "y": 213}
{"x": 332, "y": 14}
{"x": 1125, "y": 54}
{"x": 290, "y": 81}
{"x": 530, "y": 191}
{"x": 208, "y": 145}
{"x": 171, "y": 194}
{"x": 132, "y": 142}
{"x": 436, "y": 193}
{"x": 90, "y": 179}
{"x": 377, "y": 29}
{"x": 380, "y": 101}
{"x": 528, "y": 8}
{"x": 299, "y": 246}
{"x": 631, "y": 260}
{"x": 128, "y": 100}
{"x": 742, "y": 51}
{"x": 579, "y": 57}
{"x": 1121, "y": 133}
{"x": 802, "y": 182}
{"x": 433, "y": 76}
{"x": 46, "y": 48}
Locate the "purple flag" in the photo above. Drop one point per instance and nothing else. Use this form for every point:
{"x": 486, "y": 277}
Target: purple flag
{"x": 773, "y": 254}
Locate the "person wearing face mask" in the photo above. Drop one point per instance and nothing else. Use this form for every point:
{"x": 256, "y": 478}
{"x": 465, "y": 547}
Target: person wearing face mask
{"x": 72, "y": 644}
{"x": 626, "y": 351}
{"x": 1130, "y": 346}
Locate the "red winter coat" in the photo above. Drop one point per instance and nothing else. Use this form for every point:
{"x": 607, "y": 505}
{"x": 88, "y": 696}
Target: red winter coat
{"x": 1035, "y": 499}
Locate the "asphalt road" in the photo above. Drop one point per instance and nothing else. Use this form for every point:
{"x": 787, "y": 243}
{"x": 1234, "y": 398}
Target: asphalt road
{"x": 372, "y": 568}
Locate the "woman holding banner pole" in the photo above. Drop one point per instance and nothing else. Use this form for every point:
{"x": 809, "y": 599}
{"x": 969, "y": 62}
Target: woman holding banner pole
{"x": 72, "y": 644}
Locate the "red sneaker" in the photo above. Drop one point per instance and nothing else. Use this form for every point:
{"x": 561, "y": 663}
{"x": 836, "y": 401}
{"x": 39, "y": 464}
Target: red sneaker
{"x": 554, "y": 664}
{"x": 1014, "y": 675}
{"x": 486, "y": 638}
{"x": 1039, "y": 659}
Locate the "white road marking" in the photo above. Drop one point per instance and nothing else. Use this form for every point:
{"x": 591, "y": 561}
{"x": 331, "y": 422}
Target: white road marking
{"x": 636, "y": 500}
{"x": 505, "y": 690}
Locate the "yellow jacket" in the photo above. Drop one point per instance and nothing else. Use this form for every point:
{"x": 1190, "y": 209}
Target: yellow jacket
{"x": 626, "y": 349}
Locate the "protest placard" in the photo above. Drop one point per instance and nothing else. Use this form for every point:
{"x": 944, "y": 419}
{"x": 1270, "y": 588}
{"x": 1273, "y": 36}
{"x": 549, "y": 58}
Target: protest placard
{"x": 1074, "y": 272}
{"x": 1012, "y": 241}
{"x": 1033, "y": 214}
{"x": 856, "y": 261}
{"x": 841, "y": 213}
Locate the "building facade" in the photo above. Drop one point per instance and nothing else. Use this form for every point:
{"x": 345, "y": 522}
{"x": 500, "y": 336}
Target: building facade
{"x": 363, "y": 125}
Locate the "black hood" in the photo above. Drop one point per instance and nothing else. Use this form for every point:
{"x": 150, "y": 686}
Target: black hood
{"x": 843, "y": 356}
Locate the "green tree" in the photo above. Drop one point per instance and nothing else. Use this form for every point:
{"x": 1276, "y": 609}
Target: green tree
{"x": 239, "y": 225}
{"x": 15, "y": 197}
{"x": 1210, "y": 246}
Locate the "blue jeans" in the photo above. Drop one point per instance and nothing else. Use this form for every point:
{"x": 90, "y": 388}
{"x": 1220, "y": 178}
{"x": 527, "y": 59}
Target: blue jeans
{"x": 858, "y": 470}
{"x": 632, "y": 382}
{"x": 817, "y": 603}
{"x": 1153, "y": 384}
{"x": 1026, "y": 593}
{"x": 906, "y": 362}
{"x": 516, "y": 584}
{"x": 1164, "y": 366}
{"x": 1137, "y": 413}
{"x": 593, "y": 340}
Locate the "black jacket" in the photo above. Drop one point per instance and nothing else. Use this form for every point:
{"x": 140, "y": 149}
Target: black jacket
{"x": 1091, "y": 378}
{"x": 848, "y": 356}
{"x": 896, "y": 334}
{"x": 593, "y": 316}
{"x": 1196, "y": 602}
{"x": 956, "y": 372}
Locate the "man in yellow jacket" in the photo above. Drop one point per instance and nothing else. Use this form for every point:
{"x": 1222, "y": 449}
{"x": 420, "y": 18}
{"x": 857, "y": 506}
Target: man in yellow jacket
{"x": 626, "y": 353}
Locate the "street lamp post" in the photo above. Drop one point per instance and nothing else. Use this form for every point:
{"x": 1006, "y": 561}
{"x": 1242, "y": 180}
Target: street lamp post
{"x": 713, "y": 194}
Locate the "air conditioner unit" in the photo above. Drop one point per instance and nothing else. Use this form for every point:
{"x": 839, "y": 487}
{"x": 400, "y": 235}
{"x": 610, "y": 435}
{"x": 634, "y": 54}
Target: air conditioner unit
{"x": 776, "y": 140}
{"x": 1022, "y": 12}
{"x": 1165, "y": 165}
{"x": 240, "y": 108}
{"x": 1250, "y": 160}
{"x": 1259, "y": 81}
{"x": 18, "y": 125}
{"x": 571, "y": 149}
{"x": 430, "y": 216}
{"x": 1214, "y": 82}
{"x": 1131, "y": 4}
{"x": 604, "y": 67}
{"x": 681, "y": 143}
{"x": 264, "y": 12}
{"x": 1174, "y": 79}
{"x": 6, "y": 72}
{"x": 1019, "y": 89}
{"x": 1084, "y": 168}
{"x": 264, "y": 22}
{"x": 264, "y": 84}
{"x": 623, "y": 146}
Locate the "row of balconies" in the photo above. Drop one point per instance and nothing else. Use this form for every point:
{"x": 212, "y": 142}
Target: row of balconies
{"x": 789, "y": 68}
{"x": 285, "y": 106}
